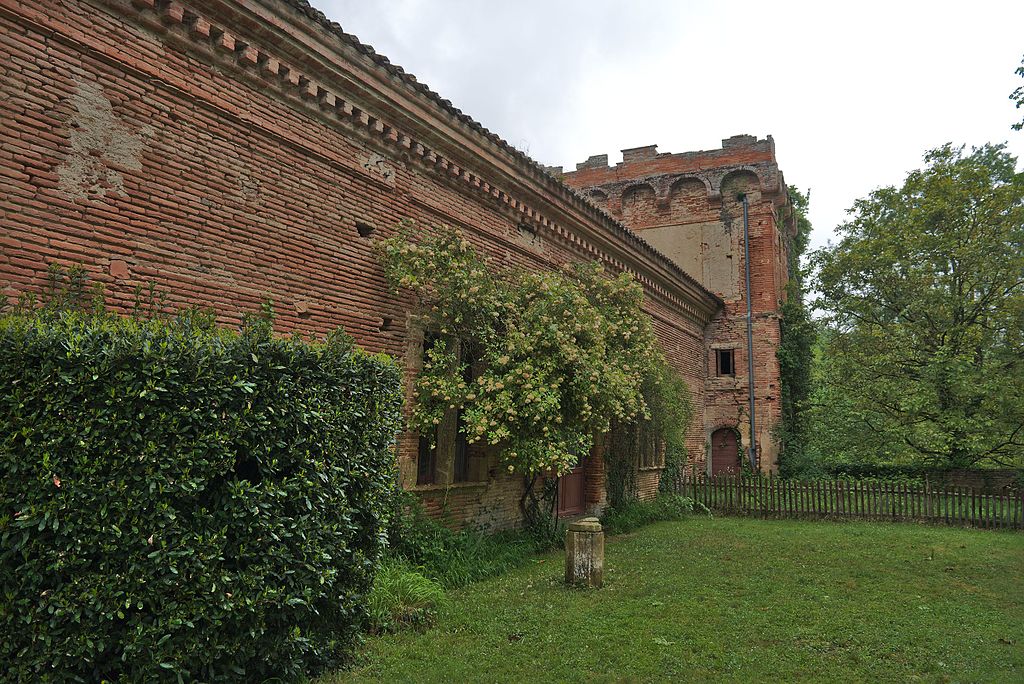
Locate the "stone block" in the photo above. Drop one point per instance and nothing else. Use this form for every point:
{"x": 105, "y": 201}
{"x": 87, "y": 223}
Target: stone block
{"x": 584, "y": 553}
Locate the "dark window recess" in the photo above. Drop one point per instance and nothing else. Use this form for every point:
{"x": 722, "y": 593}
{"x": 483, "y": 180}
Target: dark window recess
{"x": 460, "y": 468}
{"x": 364, "y": 229}
{"x": 461, "y": 465}
{"x": 426, "y": 462}
{"x": 726, "y": 361}
{"x": 455, "y": 458}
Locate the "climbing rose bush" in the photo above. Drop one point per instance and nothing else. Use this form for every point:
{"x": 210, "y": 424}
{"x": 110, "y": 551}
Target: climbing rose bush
{"x": 558, "y": 355}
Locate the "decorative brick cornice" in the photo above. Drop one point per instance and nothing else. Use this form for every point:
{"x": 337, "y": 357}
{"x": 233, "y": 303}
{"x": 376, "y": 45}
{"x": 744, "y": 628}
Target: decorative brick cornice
{"x": 659, "y": 275}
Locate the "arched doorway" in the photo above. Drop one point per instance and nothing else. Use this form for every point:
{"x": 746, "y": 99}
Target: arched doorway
{"x": 725, "y": 454}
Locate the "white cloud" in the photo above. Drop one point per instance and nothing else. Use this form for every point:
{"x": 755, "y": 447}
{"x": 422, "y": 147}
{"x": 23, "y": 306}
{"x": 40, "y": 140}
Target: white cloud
{"x": 853, "y": 93}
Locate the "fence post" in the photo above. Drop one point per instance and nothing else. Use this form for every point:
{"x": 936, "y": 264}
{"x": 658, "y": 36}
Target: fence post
{"x": 1018, "y": 512}
{"x": 821, "y": 497}
{"x": 765, "y": 493}
{"x": 974, "y": 509}
{"x": 962, "y": 504}
{"x": 740, "y": 498}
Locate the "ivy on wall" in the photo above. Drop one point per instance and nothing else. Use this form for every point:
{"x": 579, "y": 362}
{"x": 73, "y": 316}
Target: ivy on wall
{"x": 659, "y": 439}
{"x": 795, "y": 352}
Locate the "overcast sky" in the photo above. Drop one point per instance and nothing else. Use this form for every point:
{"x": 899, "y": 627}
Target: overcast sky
{"x": 854, "y": 93}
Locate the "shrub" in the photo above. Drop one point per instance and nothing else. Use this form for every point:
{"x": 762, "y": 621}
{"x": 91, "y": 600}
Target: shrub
{"x": 632, "y": 515}
{"x": 453, "y": 558}
{"x": 402, "y": 597}
{"x": 181, "y": 502}
{"x": 878, "y": 471}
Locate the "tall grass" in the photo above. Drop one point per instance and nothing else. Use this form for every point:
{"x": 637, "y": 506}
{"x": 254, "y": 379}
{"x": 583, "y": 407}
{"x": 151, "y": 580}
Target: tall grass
{"x": 455, "y": 559}
{"x": 402, "y": 597}
{"x": 635, "y": 514}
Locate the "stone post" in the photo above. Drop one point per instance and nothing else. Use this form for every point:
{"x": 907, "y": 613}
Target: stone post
{"x": 584, "y": 553}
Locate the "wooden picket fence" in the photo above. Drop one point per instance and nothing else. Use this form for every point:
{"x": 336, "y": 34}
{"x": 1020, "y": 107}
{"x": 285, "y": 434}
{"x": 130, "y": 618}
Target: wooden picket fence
{"x": 769, "y": 496}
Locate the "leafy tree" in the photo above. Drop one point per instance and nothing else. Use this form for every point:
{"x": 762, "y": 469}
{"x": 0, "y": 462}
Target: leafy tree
{"x": 795, "y": 351}
{"x": 924, "y": 297}
{"x": 1018, "y": 96}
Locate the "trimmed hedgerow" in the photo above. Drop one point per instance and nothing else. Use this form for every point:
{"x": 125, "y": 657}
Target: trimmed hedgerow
{"x": 179, "y": 502}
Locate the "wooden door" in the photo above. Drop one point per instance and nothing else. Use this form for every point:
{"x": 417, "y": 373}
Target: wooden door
{"x": 725, "y": 455}
{"x": 570, "y": 492}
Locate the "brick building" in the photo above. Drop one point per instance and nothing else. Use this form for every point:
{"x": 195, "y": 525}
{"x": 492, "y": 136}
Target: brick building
{"x": 688, "y": 206}
{"x": 231, "y": 151}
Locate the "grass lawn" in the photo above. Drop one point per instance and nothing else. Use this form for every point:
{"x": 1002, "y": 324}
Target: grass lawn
{"x": 731, "y": 599}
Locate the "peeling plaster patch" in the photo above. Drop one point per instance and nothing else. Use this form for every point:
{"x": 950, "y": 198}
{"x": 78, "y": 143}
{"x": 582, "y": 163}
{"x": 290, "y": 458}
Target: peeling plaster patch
{"x": 101, "y": 144}
{"x": 379, "y": 166}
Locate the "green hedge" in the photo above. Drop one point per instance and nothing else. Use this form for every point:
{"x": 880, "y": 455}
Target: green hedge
{"x": 183, "y": 503}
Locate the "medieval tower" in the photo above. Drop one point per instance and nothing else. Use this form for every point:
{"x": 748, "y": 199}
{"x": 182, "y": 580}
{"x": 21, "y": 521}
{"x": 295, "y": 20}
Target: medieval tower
{"x": 690, "y": 206}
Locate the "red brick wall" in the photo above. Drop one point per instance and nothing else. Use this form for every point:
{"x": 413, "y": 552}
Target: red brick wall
{"x": 226, "y": 152}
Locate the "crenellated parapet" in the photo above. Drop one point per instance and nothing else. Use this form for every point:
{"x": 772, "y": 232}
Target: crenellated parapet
{"x": 663, "y": 173}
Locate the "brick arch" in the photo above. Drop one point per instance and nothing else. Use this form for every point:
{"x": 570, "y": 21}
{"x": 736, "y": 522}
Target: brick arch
{"x": 725, "y": 444}
{"x": 599, "y": 197}
{"x": 688, "y": 197}
{"x": 639, "y": 205}
{"x": 637, "y": 187}
{"x": 744, "y": 179}
{"x": 691, "y": 182}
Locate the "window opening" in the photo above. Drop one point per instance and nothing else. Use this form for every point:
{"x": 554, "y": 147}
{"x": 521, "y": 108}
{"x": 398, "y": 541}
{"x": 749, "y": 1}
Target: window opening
{"x": 725, "y": 361}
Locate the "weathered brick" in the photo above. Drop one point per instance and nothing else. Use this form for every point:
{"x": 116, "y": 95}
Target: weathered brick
{"x": 156, "y": 158}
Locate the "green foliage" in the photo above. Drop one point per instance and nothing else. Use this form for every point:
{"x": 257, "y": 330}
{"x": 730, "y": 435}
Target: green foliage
{"x": 661, "y": 432}
{"x": 621, "y": 457}
{"x": 1018, "y": 96}
{"x": 554, "y": 358}
{"x": 183, "y": 502}
{"x": 671, "y": 411}
{"x": 402, "y": 597}
{"x": 795, "y": 353}
{"x": 868, "y": 471}
{"x": 454, "y": 559}
{"x": 924, "y": 346}
{"x": 562, "y": 354}
{"x": 736, "y": 600}
{"x": 632, "y": 515}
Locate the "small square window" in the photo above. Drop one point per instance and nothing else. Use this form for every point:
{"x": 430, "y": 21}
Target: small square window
{"x": 725, "y": 361}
